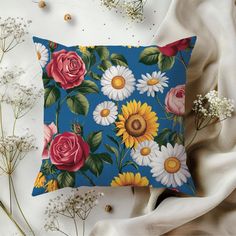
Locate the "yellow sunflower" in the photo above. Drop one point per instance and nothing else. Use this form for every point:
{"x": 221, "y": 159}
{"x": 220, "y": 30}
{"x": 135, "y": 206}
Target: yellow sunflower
{"x": 51, "y": 186}
{"x": 129, "y": 179}
{"x": 40, "y": 180}
{"x": 137, "y": 123}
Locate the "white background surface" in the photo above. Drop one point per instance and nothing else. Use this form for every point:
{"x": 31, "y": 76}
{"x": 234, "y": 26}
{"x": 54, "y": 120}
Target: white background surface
{"x": 92, "y": 24}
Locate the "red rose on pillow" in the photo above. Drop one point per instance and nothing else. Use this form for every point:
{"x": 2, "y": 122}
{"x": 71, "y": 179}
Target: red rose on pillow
{"x": 66, "y": 68}
{"x": 173, "y": 48}
{"x": 69, "y": 151}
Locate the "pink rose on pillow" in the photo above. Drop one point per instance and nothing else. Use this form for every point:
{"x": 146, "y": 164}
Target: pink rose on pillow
{"x": 173, "y": 48}
{"x": 68, "y": 151}
{"x": 67, "y": 68}
{"x": 49, "y": 131}
{"x": 175, "y": 100}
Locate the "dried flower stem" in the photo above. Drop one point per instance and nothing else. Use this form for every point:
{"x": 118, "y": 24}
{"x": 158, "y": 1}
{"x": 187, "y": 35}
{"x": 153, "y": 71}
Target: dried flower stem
{"x": 210, "y": 110}
{"x": 11, "y": 218}
{"x": 18, "y": 205}
{"x": 73, "y": 207}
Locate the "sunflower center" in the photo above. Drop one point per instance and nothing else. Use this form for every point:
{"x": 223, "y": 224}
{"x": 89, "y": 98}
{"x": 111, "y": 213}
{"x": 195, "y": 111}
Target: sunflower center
{"x": 118, "y": 82}
{"x": 172, "y": 165}
{"x": 105, "y": 112}
{"x": 38, "y": 55}
{"x": 136, "y": 125}
{"x": 145, "y": 151}
{"x": 153, "y": 81}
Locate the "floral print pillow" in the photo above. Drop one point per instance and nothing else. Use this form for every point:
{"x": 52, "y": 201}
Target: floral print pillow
{"x": 113, "y": 116}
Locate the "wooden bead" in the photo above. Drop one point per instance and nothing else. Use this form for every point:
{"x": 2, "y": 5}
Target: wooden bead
{"x": 42, "y": 4}
{"x": 67, "y": 17}
{"x": 108, "y": 208}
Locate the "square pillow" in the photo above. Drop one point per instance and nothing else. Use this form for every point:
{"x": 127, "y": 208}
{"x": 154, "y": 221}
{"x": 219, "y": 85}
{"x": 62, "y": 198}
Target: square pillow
{"x": 113, "y": 116}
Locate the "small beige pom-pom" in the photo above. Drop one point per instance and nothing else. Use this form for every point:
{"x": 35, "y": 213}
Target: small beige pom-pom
{"x": 108, "y": 208}
{"x": 42, "y": 4}
{"x": 67, "y": 17}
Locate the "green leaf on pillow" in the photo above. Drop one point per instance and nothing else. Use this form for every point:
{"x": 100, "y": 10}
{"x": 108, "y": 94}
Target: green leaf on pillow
{"x": 51, "y": 95}
{"x": 163, "y": 137}
{"x": 149, "y": 56}
{"x": 78, "y": 104}
{"x": 176, "y": 138}
{"x": 87, "y": 86}
{"x": 165, "y": 63}
{"x": 46, "y": 79}
{"x": 105, "y": 64}
{"x": 94, "y": 75}
{"x": 89, "y": 59}
{"x": 113, "y": 140}
{"x": 94, "y": 140}
{"x": 105, "y": 157}
{"x": 130, "y": 163}
{"x": 95, "y": 164}
{"x": 48, "y": 168}
{"x": 103, "y": 52}
{"x": 118, "y": 59}
{"x": 66, "y": 179}
{"x": 169, "y": 136}
{"x": 112, "y": 149}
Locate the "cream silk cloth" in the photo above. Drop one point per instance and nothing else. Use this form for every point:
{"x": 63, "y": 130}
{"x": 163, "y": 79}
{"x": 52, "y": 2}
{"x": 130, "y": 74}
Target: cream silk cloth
{"x": 212, "y": 156}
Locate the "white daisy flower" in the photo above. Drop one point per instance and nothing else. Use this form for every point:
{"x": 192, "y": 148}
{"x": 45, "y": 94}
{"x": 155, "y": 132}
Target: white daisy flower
{"x": 145, "y": 152}
{"x": 118, "y": 83}
{"x": 105, "y": 113}
{"x": 42, "y": 54}
{"x": 169, "y": 167}
{"x": 152, "y": 83}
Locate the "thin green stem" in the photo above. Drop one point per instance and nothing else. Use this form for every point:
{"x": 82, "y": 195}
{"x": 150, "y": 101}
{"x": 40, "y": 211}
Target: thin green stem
{"x": 163, "y": 108}
{"x": 1, "y": 123}
{"x": 11, "y": 218}
{"x": 194, "y": 136}
{"x": 10, "y": 193}
{"x": 19, "y": 207}
{"x": 76, "y": 228}
{"x": 182, "y": 60}
{"x": 1, "y": 58}
{"x": 14, "y": 126}
{"x": 62, "y": 232}
{"x": 57, "y": 115}
{"x": 83, "y": 227}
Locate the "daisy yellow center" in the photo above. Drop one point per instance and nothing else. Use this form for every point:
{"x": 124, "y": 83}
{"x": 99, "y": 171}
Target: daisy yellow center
{"x": 38, "y": 55}
{"x": 136, "y": 125}
{"x": 118, "y": 82}
{"x": 145, "y": 151}
{"x": 172, "y": 165}
{"x": 105, "y": 112}
{"x": 153, "y": 81}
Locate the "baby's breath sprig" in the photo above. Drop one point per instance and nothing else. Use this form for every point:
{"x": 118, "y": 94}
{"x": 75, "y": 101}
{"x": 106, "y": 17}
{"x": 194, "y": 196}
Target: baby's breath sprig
{"x": 74, "y": 206}
{"x": 14, "y": 148}
{"x": 134, "y": 9}
{"x": 12, "y": 32}
{"x": 22, "y": 99}
{"x": 211, "y": 109}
